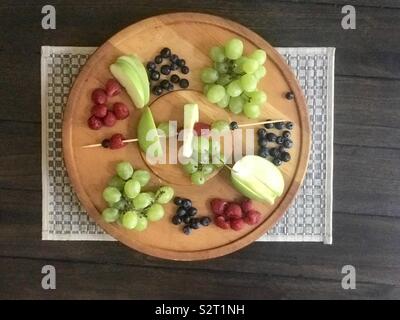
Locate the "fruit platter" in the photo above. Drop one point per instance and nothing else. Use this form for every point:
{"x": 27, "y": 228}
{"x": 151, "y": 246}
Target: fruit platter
{"x": 186, "y": 136}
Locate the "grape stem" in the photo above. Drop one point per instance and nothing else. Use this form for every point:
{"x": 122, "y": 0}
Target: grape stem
{"x": 99, "y": 144}
{"x": 258, "y": 123}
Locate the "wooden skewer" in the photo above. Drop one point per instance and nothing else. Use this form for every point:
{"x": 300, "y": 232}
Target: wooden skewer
{"x": 258, "y": 123}
{"x": 99, "y": 144}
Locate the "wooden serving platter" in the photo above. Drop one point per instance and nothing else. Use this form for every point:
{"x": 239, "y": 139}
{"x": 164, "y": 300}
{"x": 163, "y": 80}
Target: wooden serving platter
{"x": 190, "y": 35}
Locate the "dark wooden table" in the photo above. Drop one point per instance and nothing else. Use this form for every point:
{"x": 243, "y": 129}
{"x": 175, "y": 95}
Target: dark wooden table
{"x": 366, "y": 219}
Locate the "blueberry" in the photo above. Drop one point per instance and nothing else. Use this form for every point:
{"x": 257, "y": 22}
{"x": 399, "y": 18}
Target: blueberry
{"x": 186, "y": 219}
{"x": 271, "y": 136}
{"x": 178, "y": 201}
{"x": 194, "y": 223}
{"x": 165, "y": 69}
{"x": 157, "y": 90}
{"x": 274, "y": 153}
{"x": 106, "y": 143}
{"x": 173, "y": 66}
{"x": 165, "y": 53}
{"x": 192, "y": 211}
{"x": 285, "y": 156}
{"x": 174, "y": 78}
{"x": 174, "y": 58}
{"x": 186, "y": 203}
{"x": 286, "y": 134}
{"x": 185, "y": 70}
{"x": 289, "y": 125}
{"x": 184, "y": 83}
{"x": 154, "y": 75}
{"x": 262, "y": 133}
{"x": 180, "y": 62}
{"x": 233, "y": 125}
{"x": 279, "y": 125}
{"x": 279, "y": 140}
{"x": 263, "y": 152}
{"x": 151, "y": 66}
{"x": 181, "y": 212}
{"x": 158, "y": 59}
{"x": 164, "y": 84}
{"x": 176, "y": 220}
{"x": 205, "y": 221}
{"x": 289, "y": 95}
{"x": 269, "y": 125}
{"x": 287, "y": 143}
{"x": 170, "y": 86}
{"x": 281, "y": 149}
{"x": 277, "y": 161}
{"x": 187, "y": 230}
{"x": 262, "y": 142}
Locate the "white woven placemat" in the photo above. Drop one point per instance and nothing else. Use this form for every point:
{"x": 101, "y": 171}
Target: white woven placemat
{"x": 309, "y": 218}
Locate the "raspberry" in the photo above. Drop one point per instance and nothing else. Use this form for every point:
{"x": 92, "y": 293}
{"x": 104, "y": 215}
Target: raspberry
{"x": 218, "y": 206}
{"x": 113, "y": 88}
{"x": 109, "y": 120}
{"x": 99, "y": 96}
{"x": 116, "y": 141}
{"x": 120, "y": 110}
{"x": 252, "y": 217}
{"x": 233, "y": 211}
{"x": 99, "y": 110}
{"x": 221, "y": 222}
{"x": 202, "y": 129}
{"x": 246, "y": 205}
{"x": 237, "y": 224}
{"x": 94, "y": 123}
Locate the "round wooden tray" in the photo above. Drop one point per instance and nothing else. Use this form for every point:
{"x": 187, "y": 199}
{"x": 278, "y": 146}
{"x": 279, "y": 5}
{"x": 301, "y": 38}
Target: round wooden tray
{"x": 190, "y": 35}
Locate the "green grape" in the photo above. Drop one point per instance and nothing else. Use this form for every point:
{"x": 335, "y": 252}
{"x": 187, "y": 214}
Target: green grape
{"x": 152, "y": 196}
{"x": 116, "y": 182}
{"x": 206, "y": 88}
{"x": 257, "y": 97}
{"x": 259, "y": 55}
{"x": 164, "y": 194}
{"x": 120, "y": 205}
{"x": 238, "y": 65}
{"x": 164, "y": 128}
{"x": 219, "y": 160}
{"x": 142, "y": 200}
{"x": 142, "y": 223}
{"x": 224, "y": 79}
{"x": 130, "y": 219}
{"x": 209, "y": 75}
{"x": 200, "y": 144}
{"x": 132, "y": 188}
{"x": 217, "y": 54}
{"x": 236, "y": 104}
{"x": 220, "y": 125}
{"x": 234, "y": 49}
{"x": 221, "y": 67}
{"x": 142, "y": 176}
{"x": 215, "y": 93}
{"x": 250, "y": 65}
{"x": 155, "y": 212}
{"x": 124, "y": 170}
{"x": 251, "y": 110}
{"x": 121, "y": 216}
{"x": 260, "y": 72}
{"x": 203, "y": 157}
{"x": 110, "y": 214}
{"x": 111, "y": 195}
{"x": 198, "y": 178}
{"x": 234, "y": 89}
{"x": 207, "y": 169}
{"x": 215, "y": 147}
{"x": 224, "y": 102}
{"x": 248, "y": 82}
{"x": 191, "y": 167}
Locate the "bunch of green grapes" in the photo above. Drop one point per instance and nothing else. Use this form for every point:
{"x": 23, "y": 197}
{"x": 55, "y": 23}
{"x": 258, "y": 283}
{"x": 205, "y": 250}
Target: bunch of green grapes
{"x": 232, "y": 81}
{"x": 201, "y": 165}
{"x": 128, "y": 204}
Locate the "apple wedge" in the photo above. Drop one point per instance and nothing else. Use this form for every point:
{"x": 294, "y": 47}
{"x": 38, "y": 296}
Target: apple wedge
{"x": 130, "y": 80}
{"x": 190, "y": 117}
{"x": 147, "y": 134}
{"x": 258, "y": 179}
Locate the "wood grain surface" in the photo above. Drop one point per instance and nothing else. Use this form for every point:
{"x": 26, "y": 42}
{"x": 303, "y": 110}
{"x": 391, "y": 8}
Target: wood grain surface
{"x": 366, "y": 218}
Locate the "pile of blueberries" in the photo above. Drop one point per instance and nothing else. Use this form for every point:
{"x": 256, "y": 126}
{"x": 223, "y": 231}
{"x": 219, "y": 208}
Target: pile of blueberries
{"x": 186, "y": 214}
{"x": 175, "y": 63}
{"x": 279, "y": 153}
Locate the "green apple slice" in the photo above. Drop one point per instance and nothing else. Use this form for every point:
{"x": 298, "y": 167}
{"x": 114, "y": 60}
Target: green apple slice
{"x": 129, "y": 79}
{"x": 148, "y": 136}
{"x": 257, "y": 178}
{"x": 190, "y": 117}
{"x": 141, "y": 72}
